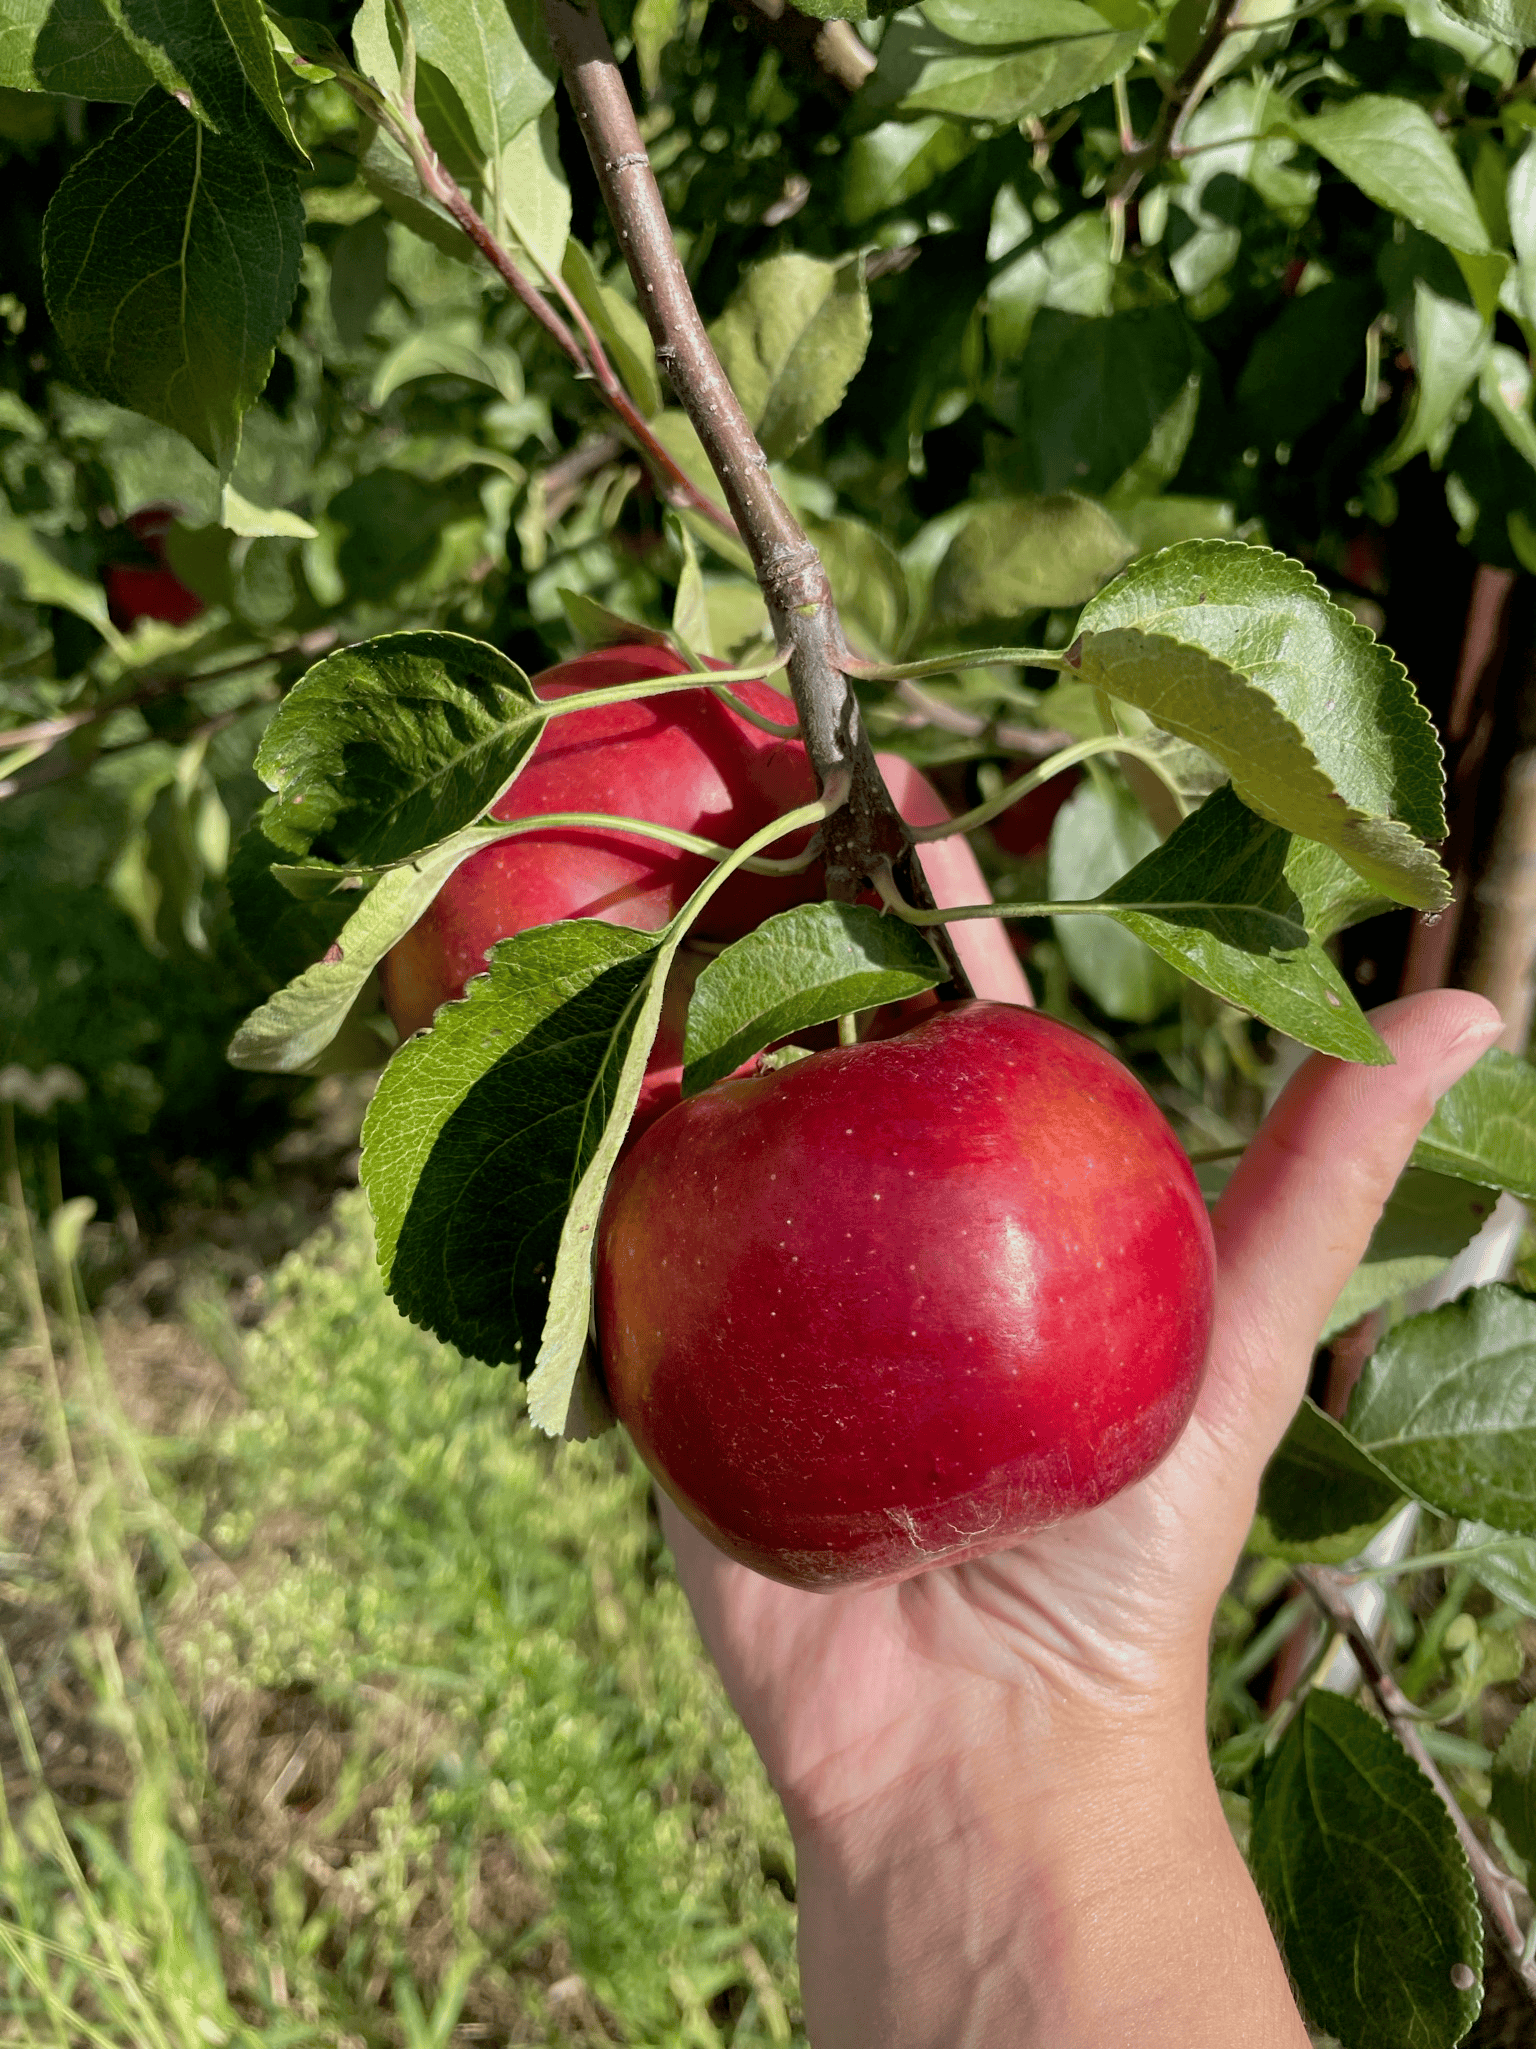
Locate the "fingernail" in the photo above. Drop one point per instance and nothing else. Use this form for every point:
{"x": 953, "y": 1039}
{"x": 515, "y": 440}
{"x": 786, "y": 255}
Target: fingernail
{"x": 1465, "y": 1050}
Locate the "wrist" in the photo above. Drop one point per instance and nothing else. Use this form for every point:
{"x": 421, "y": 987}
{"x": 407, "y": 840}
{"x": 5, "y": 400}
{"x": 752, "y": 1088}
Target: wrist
{"x": 1079, "y": 1889}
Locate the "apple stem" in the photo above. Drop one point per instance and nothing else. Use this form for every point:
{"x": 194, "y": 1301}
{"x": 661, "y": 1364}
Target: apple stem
{"x": 866, "y": 834}
{"x": 848, "y": 1029}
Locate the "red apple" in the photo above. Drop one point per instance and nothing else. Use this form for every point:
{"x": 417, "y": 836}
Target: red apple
{"x": 1024, "y": 829}
{"x": 685, "y": 760}
{"x": 902, "y": 1303}
{"x": 150, "y": 590}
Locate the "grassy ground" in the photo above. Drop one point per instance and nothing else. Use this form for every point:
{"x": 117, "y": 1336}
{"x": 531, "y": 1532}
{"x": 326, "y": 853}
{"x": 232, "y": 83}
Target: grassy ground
{"x": 338, "y": 1708}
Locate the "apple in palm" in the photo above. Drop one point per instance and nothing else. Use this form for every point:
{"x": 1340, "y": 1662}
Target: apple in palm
{"x": 902, "y": 1303}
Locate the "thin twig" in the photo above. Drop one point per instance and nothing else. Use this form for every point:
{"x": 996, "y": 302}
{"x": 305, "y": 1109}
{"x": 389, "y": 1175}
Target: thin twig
{"x": 404, "y": 125}
{"x": 562, "y": 481}
{"x": 1495, "y": 1886}
{"x": 1035, "y": 742}
{"x": 865, "y": 838}
{"x": 1179, "y": 102}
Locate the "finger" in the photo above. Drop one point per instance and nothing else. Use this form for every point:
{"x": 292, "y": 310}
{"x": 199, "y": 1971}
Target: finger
{"x": 1300, "y": 1209}
{"x": 954, "y": 875}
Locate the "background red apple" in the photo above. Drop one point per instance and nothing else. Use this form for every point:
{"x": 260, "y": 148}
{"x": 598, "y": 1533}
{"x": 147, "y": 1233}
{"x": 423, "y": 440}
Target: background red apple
{"x": 149, "y": 589}
{"x": 1024, "y": 829}
{"x": 900, "y": 1304}
{"x": 687, "y": 761}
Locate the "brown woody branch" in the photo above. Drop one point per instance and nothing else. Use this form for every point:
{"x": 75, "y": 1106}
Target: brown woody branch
{"x": 866, "y": 836}
{"x": 1495, "y": 1886}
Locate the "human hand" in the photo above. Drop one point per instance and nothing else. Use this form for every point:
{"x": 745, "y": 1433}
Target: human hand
{"x": 974, "y": 1715}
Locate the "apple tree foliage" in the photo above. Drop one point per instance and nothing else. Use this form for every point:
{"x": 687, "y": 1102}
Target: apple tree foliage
{"x": 1125, "y": 362}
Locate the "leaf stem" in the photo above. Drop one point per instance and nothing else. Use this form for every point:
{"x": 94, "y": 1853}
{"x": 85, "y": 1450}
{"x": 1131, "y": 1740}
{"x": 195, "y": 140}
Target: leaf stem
{"x": 948, "y": 665}
{"x": 1427, "y": 1561}
{"x": 1012, "y": 793}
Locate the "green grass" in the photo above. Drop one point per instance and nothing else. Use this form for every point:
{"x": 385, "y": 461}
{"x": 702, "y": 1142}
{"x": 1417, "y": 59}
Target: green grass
{"x": 397, "y": 1728}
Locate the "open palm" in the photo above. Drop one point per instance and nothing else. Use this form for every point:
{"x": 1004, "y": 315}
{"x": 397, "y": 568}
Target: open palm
{"x": 847, "y": 1694}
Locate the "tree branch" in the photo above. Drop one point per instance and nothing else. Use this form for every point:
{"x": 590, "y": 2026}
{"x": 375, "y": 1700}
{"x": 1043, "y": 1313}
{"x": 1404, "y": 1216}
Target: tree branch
{"x": 865, "y": 838}
{"x": 404, "y": 125}
{"x": 1495, "y": 1886}
{"x": 1179, "y": 102}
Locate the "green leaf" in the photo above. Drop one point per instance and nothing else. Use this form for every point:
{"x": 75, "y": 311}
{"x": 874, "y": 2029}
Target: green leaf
{"x": 483, "y": 1127}
{"x": 1505, "y": 389}
{"x": 1484, "y": 1127}
{"x": 555, "y": 1401}
{"x": 44, "y": 580}
{"x": 1511, "y": 21}
{"x": 675, "y": 431}
{"x": 394, "y": 744}
{"x": 867, "y": 580}
{"x": 1366, "y": 1883}
{"x": 800, "y": 968}
{"x": 1098, "y": 835}
{"x": 1376, "y": 1284}
{"x": 220, "y": 53}
{"x": 282, "y": 935}
{"x": 1321, "y": 1497}
{"x": 1513, "y": 1801}
{"x": 1229, "y": 917}
{"x": 457, "y": 351}
{"x": 70, "y": 47}
{"x": 1450, "y": 345}
{"x": 1520, "y": 198}
{"x": 1429, "y": 1215}
{"x": 1091, "y": 395}
{"x": 1017, "y": 555}
{"x": 530, "y": 198}
{"x": 1427, "y": 1220}
{"x": 293, "y": 1028}
{"x": 1392, "y": 149}
{"x": 892, "y": 163}
{"x": 690, "y": 615}
{"x": 1509, "y": 1573}
{"x": 1068, "y": 270}
{"x": 620, "y": 326}
{"x": 498, "y": 66}
{"x": 170, "y": 261}
{"x": 1055, "y": 52}
{"x": 793, "y": 334}
{"x": 1448, "y": 1405}
{"x": 1238, "y": 649}
{"x": 1302, "y": 360}
{"x": 595, "y": 626}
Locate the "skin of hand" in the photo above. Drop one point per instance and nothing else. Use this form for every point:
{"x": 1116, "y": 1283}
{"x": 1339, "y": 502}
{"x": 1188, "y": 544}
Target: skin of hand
{"x": 995, "y": 1773}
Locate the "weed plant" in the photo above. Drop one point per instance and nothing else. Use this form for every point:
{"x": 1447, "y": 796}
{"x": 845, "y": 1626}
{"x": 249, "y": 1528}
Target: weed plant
{"x": 341, "y": 1709}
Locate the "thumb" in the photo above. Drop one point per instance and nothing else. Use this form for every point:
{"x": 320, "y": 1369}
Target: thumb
{"x": 1299, "y": 1211}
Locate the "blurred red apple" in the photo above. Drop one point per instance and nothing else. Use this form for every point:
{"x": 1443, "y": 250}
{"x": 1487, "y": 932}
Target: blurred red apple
{"x": 149, "y": 589}
{"x": 1024, "y": 829}
{"x": 902, "y": 1303}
